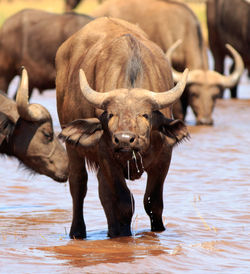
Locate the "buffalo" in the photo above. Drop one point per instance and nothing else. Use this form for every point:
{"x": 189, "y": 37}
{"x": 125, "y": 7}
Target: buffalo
{"x": 26, "y": 132}
{"x": 31, "y": 38}
{"x": 111, "y": 119}
{"x": 228, "y": 22}
{"x": 165, "y": 22}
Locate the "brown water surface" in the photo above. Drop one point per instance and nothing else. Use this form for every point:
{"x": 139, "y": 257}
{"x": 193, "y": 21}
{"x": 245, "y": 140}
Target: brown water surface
{"x": 206, "y": 199}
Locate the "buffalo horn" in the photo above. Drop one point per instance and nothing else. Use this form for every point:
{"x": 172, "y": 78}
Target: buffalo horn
{"x": 97, "y": 99}
{"x": 226, "y": 81}
{"x": 29, "y": 112}
{"x": 159, "y": 100}
{"x": 232, "y": 79}
{"x": 176, "y": 74}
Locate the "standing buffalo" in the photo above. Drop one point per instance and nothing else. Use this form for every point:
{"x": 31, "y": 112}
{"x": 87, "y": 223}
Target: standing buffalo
{"x": 229, "y": 22}
{"x": 115, "y": 123}
{"x": 31, "y": 38}
{"x": 165, "y": 22}
{"x": 26, "y": 132}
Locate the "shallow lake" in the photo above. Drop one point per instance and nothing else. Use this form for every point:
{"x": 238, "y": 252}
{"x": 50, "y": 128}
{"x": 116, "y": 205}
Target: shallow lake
{"x": 206, "y": 209}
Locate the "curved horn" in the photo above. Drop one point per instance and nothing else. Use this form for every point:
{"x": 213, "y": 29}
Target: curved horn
{"x": 95, "y": 98}
{"x": 161, "y": 100}
{"x": 176, "y": 74}
{"x": 232, "y": 79}
{"x": 29, "y": 112}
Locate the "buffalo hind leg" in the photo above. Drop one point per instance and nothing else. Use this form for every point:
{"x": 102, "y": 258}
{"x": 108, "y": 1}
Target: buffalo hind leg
{"x": 234, "y": 89}
{"x": 78, "y": 188}
{"x": 219, "y": 58}
{"x": 153, "y": 198}
{"x": 118, "y": 203}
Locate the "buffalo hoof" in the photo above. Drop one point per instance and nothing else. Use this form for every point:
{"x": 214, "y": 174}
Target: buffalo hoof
{"x": 122, "y": 232}
{"x": 157, "y": 226}
{"x": 77, "y": 234}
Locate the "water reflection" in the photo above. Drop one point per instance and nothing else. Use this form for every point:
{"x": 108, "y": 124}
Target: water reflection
{"x": 127, "y": 249}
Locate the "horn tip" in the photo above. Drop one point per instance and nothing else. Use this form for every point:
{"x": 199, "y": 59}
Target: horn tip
{"x": 186, "y": 71}
{"x": 24, "y": 72}
{"x": 179, "y": 41}
{"x": 228, "y": 46}
{"x": 82, "y": 74}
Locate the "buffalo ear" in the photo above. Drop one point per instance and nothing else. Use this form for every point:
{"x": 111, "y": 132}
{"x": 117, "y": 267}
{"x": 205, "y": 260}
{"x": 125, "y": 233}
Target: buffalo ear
{"x": 6, "y": 127}
{"x": 83, "y": 132}
{"x": 174, "y": 130}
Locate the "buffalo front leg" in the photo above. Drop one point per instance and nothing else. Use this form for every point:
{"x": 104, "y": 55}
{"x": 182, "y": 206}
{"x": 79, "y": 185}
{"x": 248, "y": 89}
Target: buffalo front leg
{"x": 153, "y": 198}
{"x": 117, "y": 202}
{"x": 78, "y": 188}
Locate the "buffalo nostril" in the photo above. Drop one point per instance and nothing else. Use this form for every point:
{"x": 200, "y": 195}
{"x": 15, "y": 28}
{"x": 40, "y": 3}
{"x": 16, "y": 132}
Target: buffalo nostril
{"x": 116, "y": 140}
{"x": 132, "y": 140}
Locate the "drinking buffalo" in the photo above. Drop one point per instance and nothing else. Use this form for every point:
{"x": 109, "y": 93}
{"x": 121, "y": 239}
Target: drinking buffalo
{"x": 26, "y": 132}
{"x": 112, "y": 119}
{"x": 211, "y": 81}
{"x": 228, "y": 22}
{"x": 31, "y": 38}
{"x": 165, "y": 22}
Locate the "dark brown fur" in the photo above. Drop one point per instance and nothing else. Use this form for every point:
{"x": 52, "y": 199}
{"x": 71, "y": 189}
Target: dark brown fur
{"x": 229, "y": 22}
{"x": 31, "y": 38}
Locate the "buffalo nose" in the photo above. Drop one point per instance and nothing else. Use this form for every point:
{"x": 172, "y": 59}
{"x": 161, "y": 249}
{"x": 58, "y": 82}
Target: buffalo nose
{"x": 124, "y": 139}
{"x": 205, "y": 121}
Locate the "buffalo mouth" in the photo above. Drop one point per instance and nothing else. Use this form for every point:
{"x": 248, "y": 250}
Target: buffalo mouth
{"x": 125, "y": 153}
{"x": 131, "y": 161}
{"x": 60, "y": 178}
{"x": 204, "y": 122}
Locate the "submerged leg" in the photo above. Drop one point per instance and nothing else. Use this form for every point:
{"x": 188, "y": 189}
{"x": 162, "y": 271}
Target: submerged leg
{"x": 117, "y": 201}
{"x": 153, "y": 198}
{"x": 78, "y": 188}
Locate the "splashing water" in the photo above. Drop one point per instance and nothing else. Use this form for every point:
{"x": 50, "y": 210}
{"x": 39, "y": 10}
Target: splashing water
{"x": 131, "y": 195}
{"x": 134, "y": 158}
{"x": 141, "y": 161}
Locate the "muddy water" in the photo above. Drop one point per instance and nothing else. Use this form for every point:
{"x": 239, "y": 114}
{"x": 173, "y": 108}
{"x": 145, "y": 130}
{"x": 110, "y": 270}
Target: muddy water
{"x": 206, "y": 198}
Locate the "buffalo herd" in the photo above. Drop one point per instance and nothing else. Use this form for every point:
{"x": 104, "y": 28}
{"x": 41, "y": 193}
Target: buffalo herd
{"x": 124, "y": 78}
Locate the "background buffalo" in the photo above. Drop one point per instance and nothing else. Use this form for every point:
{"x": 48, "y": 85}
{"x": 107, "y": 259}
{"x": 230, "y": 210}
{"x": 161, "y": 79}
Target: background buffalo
{"x": 228, "y": 22}
{"x": 26, "y": 132}
{"x": 31, "y": 38}
{"x": 165, "y": 22}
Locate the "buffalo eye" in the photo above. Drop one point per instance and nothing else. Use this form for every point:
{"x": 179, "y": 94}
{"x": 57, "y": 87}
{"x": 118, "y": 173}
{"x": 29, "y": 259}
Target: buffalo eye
{"x": 145, "y": 116}
{"x": 48, "y": 136}
{"x": 110, "y": 115}
{"x": 215, "y": 96}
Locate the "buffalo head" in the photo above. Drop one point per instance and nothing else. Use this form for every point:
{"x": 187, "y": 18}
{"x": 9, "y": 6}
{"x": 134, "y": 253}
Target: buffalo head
{"x": 204, "y": 86}
{"x": 33, "y": 140}
{"x": 129, "y": 118}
